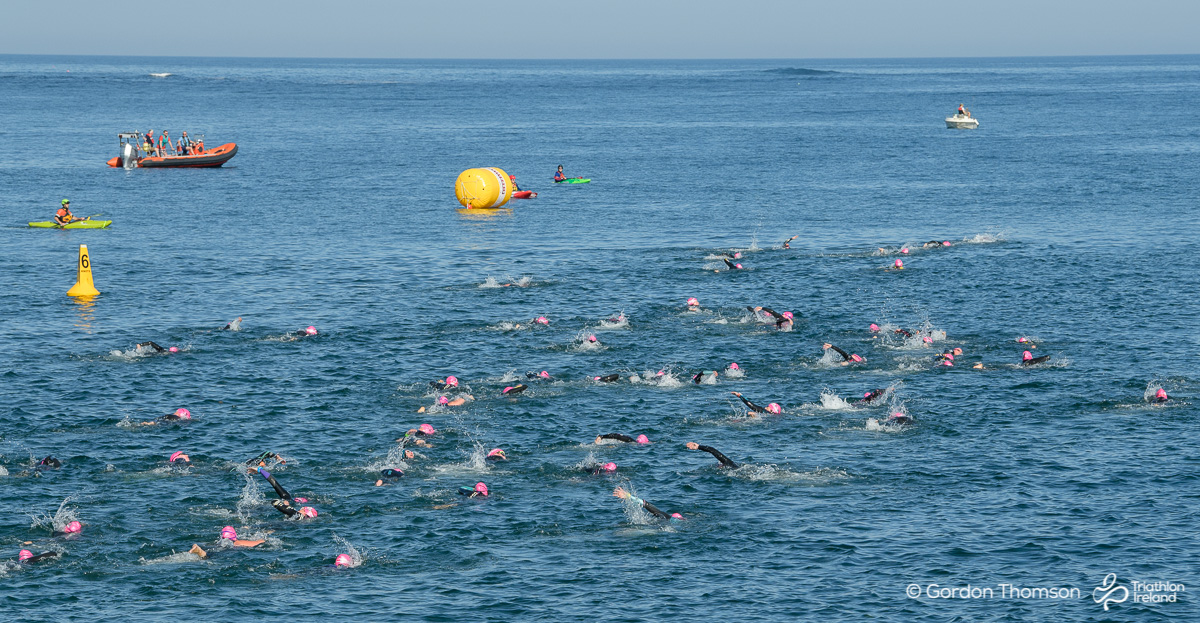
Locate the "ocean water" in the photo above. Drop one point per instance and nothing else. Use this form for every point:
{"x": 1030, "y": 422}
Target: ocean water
{"x": 1073, "y": 216}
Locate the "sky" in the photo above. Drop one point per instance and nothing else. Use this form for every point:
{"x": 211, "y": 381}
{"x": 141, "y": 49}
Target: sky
{"x": 657, "y": 29}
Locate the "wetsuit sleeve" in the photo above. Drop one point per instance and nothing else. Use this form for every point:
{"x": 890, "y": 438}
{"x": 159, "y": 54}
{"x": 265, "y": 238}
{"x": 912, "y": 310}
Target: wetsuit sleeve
{"x": 279, "y": 490}
{"x": 845, "y": 355}
{"x": 618, "y": 437}
{"x": 720, "y": 457}
{"x": 42, "y": 556}
{"x": 774, "y": 314}
{"x": 730, "y": 264}
{"x": 284, "y": 508}
{"x": 751, "y": 405}
{"x": 654, "y": 510}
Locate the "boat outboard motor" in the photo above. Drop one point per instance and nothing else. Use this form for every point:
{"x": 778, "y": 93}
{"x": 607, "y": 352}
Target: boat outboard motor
{"x": 128, "y": 155}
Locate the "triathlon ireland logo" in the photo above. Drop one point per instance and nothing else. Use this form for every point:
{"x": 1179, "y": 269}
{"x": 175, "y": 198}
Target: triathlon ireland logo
{"x": 1109, "y": 592}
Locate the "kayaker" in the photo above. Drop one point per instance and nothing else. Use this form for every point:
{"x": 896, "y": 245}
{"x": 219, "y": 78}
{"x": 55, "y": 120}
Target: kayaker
{"x": 513, "y": 179}
{"x": 64, "y": 216}
{"x": 558, "y": 175}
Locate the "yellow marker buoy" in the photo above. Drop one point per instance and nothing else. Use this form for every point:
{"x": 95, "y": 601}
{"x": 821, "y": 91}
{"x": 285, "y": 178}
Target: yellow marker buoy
{"x": 83, "y": 282}
{"x": 483, "y": 188}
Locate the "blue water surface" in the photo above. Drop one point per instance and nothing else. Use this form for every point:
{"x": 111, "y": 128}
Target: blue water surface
{"x": 1073, "y": 217}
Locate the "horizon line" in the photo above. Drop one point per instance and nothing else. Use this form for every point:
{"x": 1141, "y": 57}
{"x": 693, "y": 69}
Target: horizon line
{"x": 730, "y": 58}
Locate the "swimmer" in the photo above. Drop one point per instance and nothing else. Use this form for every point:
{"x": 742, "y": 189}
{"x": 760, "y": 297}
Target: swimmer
{"x": 279, "y": 490}
{"x": 230, "y": 535}
{"x": 158, "y": 349}
{"x": 933, "y": 244}
{"x": 234, "y": 325}
{"x": 178, "y": 415}
{"x": 451, "y": 382}
{"x": 620, "y": 492}
{"x": 608, "y": 378}
{"x": 787, "y": 244}
{"x": 898, "y": 419}
{"x": 514, "y": 389}
{"x": 261, "y": 459}
{"x": 178, "y": 455}
{"x": 693, "y": 304}
{"x": 905, "y": 332}
{"x": 447, "y": 402}
{"x": 731, "y": 265}
{"x": 641, "y": 439}
{"x": 390, "y": 473}
{"x": 539, "y": 376}
{"x": 344, "y": 560}
{"x": 1027, "y": 359}
{"x": 48, "y": 463}
{"x": 305, "y": 512}
{"x": 424, "y": 430}
{"x": 27, "y": 557}
{"x": 1160, "y": 396}
{"x": 592, "y": 339}
{"x": 1027, "y": 342}
{"x": 772, "y": 408}
{"x": 704, "y": 376}
{"x": 71, "y": 528}
{"x": 496, "y": 454}
{"x": 870, "y": 397}
{"x": 606, "y": 468}
{"x": 847, "y": 358}
{"x": 479, "y": 490}
{"x": 897, "y": 265}
{"x": 308, "y": 331}
{"x": 782, "y": 321}
{"x": 724, "y": 460}
{"x": 978, "y": 366}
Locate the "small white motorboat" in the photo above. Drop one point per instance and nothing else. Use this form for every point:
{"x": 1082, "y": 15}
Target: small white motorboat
{"x": 962, "y": 122}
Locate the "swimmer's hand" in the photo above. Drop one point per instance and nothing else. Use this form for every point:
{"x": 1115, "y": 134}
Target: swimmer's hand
{"x": 691, "y": 445}
{"x": 738, "y": 394}
{"x": 827, "y": 346}
{"x": 621, "y": 493}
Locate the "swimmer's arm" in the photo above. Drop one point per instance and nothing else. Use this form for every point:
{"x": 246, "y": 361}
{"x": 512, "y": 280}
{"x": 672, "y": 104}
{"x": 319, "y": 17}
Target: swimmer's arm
{"x": 618, "y": 437}
{"x": 845, "y": 355}
{"x": 279, "y": 490}
{"x": 729, "y": 264}
{"x": 719, "y": 456}
{"x": 751, "y": 405}
{"x": 245, "y": 543}
{"x": 283, "y": 507}
{"x": 653, "y": 509}
{"x": 774, "y": 314}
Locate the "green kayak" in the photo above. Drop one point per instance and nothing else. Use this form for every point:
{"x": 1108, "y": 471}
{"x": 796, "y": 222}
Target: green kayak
{"x": 574, "y": 180}
{"x": 75, "y": 225}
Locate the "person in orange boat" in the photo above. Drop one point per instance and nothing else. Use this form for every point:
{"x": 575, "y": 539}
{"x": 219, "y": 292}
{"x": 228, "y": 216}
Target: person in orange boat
{"x": 185, "y": 144}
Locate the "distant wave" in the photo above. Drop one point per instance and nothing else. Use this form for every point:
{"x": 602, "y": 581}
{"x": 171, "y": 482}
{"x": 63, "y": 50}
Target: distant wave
{"x": 800, "y": 71}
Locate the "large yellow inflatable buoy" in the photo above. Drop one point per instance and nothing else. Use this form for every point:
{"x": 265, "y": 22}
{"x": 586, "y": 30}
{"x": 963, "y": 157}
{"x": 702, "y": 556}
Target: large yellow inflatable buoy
{"x": 483, "y": 188}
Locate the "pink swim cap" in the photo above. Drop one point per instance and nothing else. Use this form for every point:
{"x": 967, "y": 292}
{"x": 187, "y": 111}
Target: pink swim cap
{"x": 183, "y": 413}
{"x": 73, "y": 527}
{"x": 427, "y": 429}
{"x": 24, "y": 555}
{"x": 179, "y": 455}
{"x": 899, "y": 264}
{"x": 481, "y": 489}
{"x": 308, "y": 511}
{"x": 443, "y": 400}
{"x": 591, "y": 338}
{"x": 867, "y": 395}
{"x": 544, "y": 374}
{"x": 949, "y": 356}
{"x": 787, "y": 315}
{"x": 343, "y": 560}
{"x": 693, "y": 302}
{"x": 609, "y": 467}
{"x": 873, "y": 327}
{"x": 737, "y": 265}
{"x": 643, "y": 439}
{"x": 1022, "y": 340}
{"x": 1026, "y": 356}
{"x": 1161, "y": 393}
{"x": 542, "y": 320}
{"x": 452, "y": 380}
{"x": 945, "y": 243}
{"x": 734, "y": 366}
{"x": 506, "y": 389}
{"x": 774, "y": 408}
{"x": 229, "y": 533}
{"x": 898, "y": 415}
{"x": 857, "y": 358}
{"x": 497, "y": 452}
{"x": 310, "y": 330}
{"x": 904, "y": 250}
{"x": 173, "y": 349}
{"x": 926, "y": 339}
{"x": 947, "y": 362}
{"x": 676, "y": 516}
{"x": 737, "y": 255}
